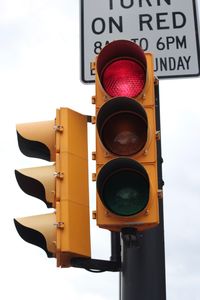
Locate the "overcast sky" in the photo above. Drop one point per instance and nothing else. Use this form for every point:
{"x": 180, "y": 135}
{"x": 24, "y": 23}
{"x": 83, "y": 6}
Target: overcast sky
{"x": 39, "y": 72}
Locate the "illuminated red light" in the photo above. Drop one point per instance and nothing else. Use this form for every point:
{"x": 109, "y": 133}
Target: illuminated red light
{"x": 123, "y": 77}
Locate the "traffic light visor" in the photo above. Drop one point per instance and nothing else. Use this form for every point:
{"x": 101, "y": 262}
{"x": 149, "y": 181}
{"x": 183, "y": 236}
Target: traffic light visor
{"x": 37, "y": 139}
{"x": 39, "y": 230}
{"x": 122, "y": 126}
{"x": 38, "y": 182}
{"x": 123, "y": 186}
{"x": 121, "y": 67}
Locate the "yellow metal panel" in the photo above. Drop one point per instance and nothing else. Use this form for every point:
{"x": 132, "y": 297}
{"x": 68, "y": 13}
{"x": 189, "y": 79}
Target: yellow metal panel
{"x": 72, "y": 208}
{"x": 74, "y": 184}
{"x": 75, "y": 235}
{"x": 75, "y": 132}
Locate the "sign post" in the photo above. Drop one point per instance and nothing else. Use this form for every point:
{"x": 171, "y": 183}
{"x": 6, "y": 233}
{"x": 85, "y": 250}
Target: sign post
{"x": 166, "y": 28}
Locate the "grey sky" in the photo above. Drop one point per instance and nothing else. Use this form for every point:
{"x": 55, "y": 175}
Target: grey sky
{"x": 39, "y": 72}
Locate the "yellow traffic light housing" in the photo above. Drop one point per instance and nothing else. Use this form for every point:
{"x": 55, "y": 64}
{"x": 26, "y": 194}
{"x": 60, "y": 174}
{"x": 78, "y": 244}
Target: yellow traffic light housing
{"x": 64, "y": 234}
{"x": 126, "y": 138}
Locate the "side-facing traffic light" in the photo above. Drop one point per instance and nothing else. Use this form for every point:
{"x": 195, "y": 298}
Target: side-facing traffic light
{"x": 126, "y": 152}
{"x": 65, "y": 233}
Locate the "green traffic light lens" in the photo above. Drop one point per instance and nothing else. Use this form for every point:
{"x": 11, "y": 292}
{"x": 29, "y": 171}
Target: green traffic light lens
{"x": 123, "y": 186}
{"x": 125, "y": 193}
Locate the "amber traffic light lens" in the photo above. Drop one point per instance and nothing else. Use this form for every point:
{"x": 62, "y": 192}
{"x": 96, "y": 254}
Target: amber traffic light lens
{"x": 124, "y": 133}
{"x": 123, "y": 186}
{"x": 123, "y": 126}
{"x": 123, "y": 77}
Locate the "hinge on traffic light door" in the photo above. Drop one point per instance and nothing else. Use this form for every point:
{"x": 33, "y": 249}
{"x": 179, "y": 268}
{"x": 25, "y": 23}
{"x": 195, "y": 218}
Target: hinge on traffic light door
{"x": 94, "y": 214}
{"x": 94, "y": 176}
{"x": 60, "y": 225}
{"x": 89, "y": 119}
{"x": 58, "y": 128}
{"x": 94, "y": 155}
{"x": 93, "y": 118}
{"x": 158, "y": 135}
{"x": 59, "y": 175}
{"x": 93, "y": 99}
{"x": 160, "y": 194}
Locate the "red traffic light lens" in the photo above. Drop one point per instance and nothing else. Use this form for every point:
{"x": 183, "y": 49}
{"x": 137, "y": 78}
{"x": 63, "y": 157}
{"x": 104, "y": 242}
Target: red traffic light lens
{"x": 123, "y": 77}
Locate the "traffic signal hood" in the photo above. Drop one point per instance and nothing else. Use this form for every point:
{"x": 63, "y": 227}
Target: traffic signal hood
{"x": 126, "y": 138}
{"x": 65, "y": 233}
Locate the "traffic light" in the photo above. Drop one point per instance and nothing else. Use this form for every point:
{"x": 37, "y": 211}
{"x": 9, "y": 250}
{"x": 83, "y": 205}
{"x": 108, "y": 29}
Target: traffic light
{"x": 64, "y": 233}
{"x": 126, "y": 151}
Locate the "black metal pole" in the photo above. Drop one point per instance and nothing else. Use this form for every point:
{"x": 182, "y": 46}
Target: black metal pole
{"x": 143, "y": 266}
{"x": 115, "y": 247}
{"x": 143, "y": 258}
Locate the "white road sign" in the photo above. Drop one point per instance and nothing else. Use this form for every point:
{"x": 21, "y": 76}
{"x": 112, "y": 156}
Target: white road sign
{"x": 168, "y": 28}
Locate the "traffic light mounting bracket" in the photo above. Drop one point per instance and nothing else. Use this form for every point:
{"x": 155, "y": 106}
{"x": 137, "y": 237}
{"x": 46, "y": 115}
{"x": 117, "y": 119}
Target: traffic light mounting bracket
{"x": 96, "y": 265}
{"x": 131, "y": 237}
{"x": 99, "y": 265}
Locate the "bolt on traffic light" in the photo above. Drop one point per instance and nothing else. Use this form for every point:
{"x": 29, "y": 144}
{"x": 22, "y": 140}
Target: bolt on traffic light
{"x": 126, "y": 137}
{"x": 65, "y": 233}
